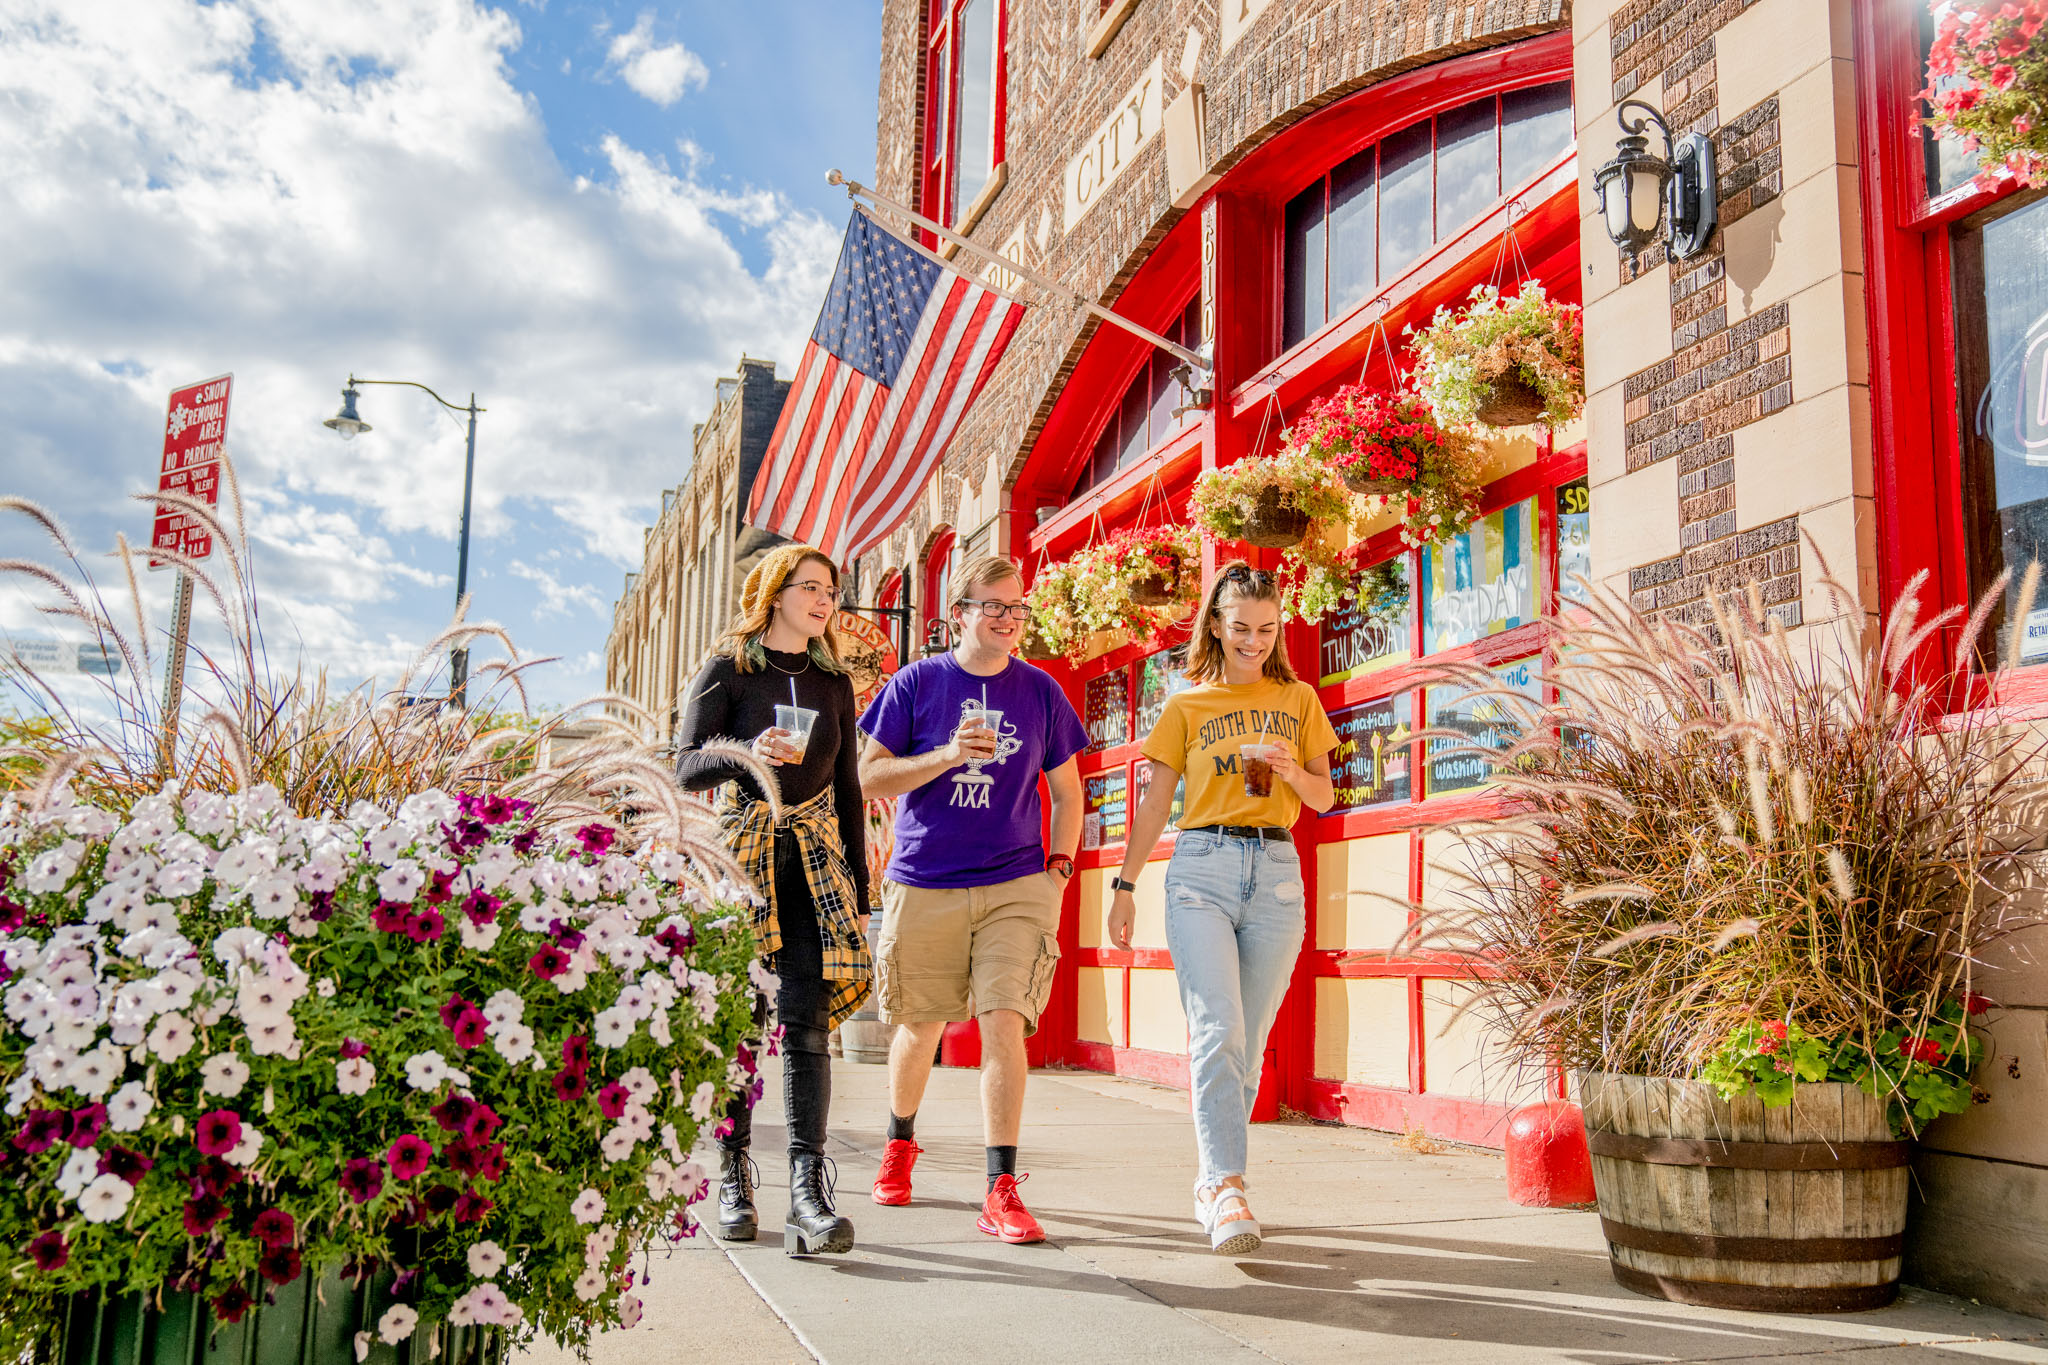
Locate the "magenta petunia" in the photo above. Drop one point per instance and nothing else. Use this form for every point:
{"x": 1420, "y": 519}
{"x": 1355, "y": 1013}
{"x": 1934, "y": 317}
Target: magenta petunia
{"x": 548, "y": 962}
{"x": 390, "y": 917}
{"x": 352, "y": 1049}
{"x": 273, "y": 1227}
{"x": 87, "y": 1123}
{"x": 40, "y": 1129}
{"x": 471, "y": 1207}
{"x": 233, "y": 1304}
{"x": 125, "y": 1162}
{"x": 218, "y": 1132}
{"x": 483, "y": 1121}
{"x": 596, "y": 839}
{"x": 612, "y": 1100}
{"x": 576, "y": 1051}
{"x": 471, "y": 1030}
{"x": 426, "y": 926}
{"x": 409, "y": 1156}
{"x": 49, "y": 1251}
{"x": 453, "y": 1113}
{"x": 570, "y": 1085}
{"x": 362, "y": 1179}
{"x": 280, "y": 1264}
{"x": 201, "y": 1212}
{"x": 453, "y": 1008}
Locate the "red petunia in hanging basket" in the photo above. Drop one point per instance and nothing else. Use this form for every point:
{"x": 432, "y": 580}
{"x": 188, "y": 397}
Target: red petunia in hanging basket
{"x": 1987, "y": 83}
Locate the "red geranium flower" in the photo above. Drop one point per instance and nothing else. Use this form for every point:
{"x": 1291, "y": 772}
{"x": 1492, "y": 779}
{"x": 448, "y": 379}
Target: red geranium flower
{"x": 218, "y": 1132}
{"x": 409, "y": 1156}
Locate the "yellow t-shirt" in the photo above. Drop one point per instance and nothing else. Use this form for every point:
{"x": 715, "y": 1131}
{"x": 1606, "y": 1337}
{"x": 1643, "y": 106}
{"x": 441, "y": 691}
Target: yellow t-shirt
{"x": 1198, "y": 736}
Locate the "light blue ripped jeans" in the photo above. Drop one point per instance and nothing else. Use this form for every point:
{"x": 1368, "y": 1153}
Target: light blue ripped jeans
{"x": 1234, "y": 923}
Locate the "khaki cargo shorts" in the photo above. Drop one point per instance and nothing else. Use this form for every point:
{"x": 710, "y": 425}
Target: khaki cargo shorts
{"x": 950, "y": 955}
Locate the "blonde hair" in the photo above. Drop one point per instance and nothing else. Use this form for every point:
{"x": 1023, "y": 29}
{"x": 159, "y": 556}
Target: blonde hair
{"x": 979, "y": 573}
{"x": 742, "y": 639}
{"x": 1235, "y": 582}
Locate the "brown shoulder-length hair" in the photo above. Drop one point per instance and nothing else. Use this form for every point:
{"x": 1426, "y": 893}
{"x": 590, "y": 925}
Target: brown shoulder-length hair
{"x": 742, "y": 639}
{"x": 1235, "y": 582}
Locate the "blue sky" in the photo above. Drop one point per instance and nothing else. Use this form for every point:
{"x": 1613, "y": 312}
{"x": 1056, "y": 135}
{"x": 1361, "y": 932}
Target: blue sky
{"x": 584, "y": 212}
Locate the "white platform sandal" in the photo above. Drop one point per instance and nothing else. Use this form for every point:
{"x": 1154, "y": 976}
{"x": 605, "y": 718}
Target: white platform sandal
{"x": 1227, "y": 1215}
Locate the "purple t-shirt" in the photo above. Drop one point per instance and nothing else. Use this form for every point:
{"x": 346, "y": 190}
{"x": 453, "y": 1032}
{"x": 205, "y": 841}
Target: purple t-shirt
{"x": 968, "y": 827}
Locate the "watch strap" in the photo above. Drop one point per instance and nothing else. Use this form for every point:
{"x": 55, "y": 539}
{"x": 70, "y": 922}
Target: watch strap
{"x": 1119, "y": 884}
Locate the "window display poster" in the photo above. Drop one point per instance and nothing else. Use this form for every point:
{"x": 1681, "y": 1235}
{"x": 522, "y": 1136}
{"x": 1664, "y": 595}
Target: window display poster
{"x": 1180, "y": 792}
{"x": 1104, "y": 817}
{"x": 1108, "y": 710}
{"x": 1574, "y": 539}
{"x": 1486, "y": 720}
{"x": 1159, "y": 677}
{"x": 1372, "y": 628}
{"x": 1372, "y": 760}
{"x": 1482, "y": 581}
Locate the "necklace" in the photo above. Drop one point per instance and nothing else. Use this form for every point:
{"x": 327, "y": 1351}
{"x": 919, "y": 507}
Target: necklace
{"x": 787, "y": 672}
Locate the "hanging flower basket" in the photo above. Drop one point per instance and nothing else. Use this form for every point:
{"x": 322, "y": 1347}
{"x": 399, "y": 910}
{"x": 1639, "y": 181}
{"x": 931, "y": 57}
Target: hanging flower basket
{"x": 1987, "y": 80}
{"x": 1271, "y": 501}
{"x": 1036, "y": 647}
{"x": 1390, "y": 446}
{"x": 1503, "y": 361}
{"x": 1275, "y": 521}
{"x": 1139, "y": 581}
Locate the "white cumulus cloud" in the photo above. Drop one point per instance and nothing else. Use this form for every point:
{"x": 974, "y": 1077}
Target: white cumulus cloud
{"x": 663, "y": 72}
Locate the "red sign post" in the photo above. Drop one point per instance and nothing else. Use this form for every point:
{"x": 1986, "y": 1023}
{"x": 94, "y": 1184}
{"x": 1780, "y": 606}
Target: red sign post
{"x": 195, "y": 433}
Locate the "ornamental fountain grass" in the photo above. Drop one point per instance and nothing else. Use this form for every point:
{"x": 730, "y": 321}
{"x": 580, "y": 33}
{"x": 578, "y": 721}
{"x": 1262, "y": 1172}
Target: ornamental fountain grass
{"x": 353, "y": 993}
{"x": 1739, "y": 894}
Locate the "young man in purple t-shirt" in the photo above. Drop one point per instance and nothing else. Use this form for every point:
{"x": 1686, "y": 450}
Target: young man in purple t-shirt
{"x": 971, "y": 900}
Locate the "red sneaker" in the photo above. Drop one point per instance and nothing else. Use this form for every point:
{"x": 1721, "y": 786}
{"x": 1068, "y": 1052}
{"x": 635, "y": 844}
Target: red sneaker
{"x": 892, "y": 1182}
{"x": 1004, "y": 1216}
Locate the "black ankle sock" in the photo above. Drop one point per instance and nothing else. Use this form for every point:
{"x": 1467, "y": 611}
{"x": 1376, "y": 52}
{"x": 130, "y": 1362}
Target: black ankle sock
{"x": 901, "y": 1128}
{"x": 1001, "y": 1161}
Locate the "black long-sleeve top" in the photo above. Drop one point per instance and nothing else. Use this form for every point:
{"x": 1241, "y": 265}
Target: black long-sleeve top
{"x": 725, "y": 703}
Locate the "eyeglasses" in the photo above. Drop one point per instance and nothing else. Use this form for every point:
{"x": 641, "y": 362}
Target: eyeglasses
{"x": 813, "y": 587}
{"x": 1250, "y": 577}
{"x": 996, "y": 611}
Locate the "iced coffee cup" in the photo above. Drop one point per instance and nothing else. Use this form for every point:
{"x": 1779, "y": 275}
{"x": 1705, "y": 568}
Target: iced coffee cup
{"x": 797, "y": 721}
{"x": 1256, "y": 762}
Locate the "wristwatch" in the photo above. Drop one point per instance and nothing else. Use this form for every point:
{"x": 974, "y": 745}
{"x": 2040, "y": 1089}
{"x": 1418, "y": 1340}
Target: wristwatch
{"x": 1061, "y": 863}
{"x": 1119, "y": 884}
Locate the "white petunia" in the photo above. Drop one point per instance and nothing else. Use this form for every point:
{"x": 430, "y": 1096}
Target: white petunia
{"x": 223, "y": 1074}
{"x": 637, "y": 1121}
{"x": 640, "y": 902}
{"x": 581, "y": 884}
{"x": 514, "y": 1043}
{"x": 175, "y": 880}
{"x": 79, "y": 1000}
{"x": 321, "y": 873}
{"x": 486, "y": 1259}
{"x": 397, "y": 1324}
{"x": 401, "y": 881}
{"x": 244, "y": 1152}
{"x": 640, "y": 1084}
{"x": 362, "y": 1347}
{"x": 702, "y": 1100}
{"x": 324, "y": 988}
{"x": 634, "y": 1003}
{"x": 426, "y": 1070}
{"x": 617, "y": 1144}
{"x": 612, "y": 1028}
{"x": 504, "y": 1007}
{"x": 78, "y": 1171}
{"x": 629, "y": 1311}
{"x": 481, "y": 939}
{"x": 385, "y": 845}
{"x": 130, "y": 1107}
{"x": 273, "y": 897}
{"x": 51, "y": 869}
{"x": 588, "y": 1208}
{"x": 172, "y": 1037}
{"x": 628, "y": 954}
{"x": 273, "y": 1037}
{"x": 106, "y": 1199}
{"x": 589, "y": 1285}
{"x": 241, "y": 865}
{"x": 95, "y": 1072}
{"x": 239, "y": 946}
{"x": 691, "y": 1178}
{"x": 354, "y": 1075}
{"x": 178, "y": 988}
{"x": 428, "y": 810}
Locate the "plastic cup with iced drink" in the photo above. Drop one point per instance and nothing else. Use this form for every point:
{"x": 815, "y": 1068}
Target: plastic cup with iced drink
{"x": 797, "y": 721}
{"x": 976, "y": 715}
{"x": 1256, "y": 761}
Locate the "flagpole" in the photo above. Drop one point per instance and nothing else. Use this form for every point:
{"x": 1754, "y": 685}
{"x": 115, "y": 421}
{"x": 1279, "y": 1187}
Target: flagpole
{"x": 856, "y": 190}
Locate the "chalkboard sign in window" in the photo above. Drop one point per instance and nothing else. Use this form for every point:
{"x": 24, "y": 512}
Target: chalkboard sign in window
{"x": 1108, "y": 699}
{"x": 1483, "y": 581}
{"x": 1486, "y": 720}
{"x": 1104, "y": 817}
{"x": 1373, "y": 627}
{"x": 1180, "y": 791}
{"x": 1372, "y": 761}
{"x": 1574, "y": 539}
{"x": 1160, "y": 677}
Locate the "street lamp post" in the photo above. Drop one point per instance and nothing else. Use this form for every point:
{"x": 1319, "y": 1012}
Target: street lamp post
{"x": 348, "y": 425}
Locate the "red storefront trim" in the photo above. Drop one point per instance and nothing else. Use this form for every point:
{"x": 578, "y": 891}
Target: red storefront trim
{"x": 1483, "y": 1123}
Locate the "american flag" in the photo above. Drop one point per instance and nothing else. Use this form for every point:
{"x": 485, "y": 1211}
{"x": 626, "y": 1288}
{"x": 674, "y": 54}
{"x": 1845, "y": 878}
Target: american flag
{"x": 900, "y": 351}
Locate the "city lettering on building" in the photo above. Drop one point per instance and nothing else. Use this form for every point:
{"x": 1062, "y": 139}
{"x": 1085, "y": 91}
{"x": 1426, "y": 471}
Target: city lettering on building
{"x": 1011, "y": 250}
{"x": 1237, "y": 18}
{"x": 195, "y": 434}
{"x": 1113, "y": 146}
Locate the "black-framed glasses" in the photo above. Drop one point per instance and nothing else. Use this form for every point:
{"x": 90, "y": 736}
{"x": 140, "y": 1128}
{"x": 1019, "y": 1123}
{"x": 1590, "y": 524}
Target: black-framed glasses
{"x": 996, "y": 611}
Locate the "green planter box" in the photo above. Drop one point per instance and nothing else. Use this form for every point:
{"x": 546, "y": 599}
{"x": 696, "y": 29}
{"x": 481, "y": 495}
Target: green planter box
{"x": 300, "y": 1328}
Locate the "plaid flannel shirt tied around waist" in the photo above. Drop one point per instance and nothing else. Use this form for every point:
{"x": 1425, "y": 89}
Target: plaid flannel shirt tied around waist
{"x": 751, "y": 832}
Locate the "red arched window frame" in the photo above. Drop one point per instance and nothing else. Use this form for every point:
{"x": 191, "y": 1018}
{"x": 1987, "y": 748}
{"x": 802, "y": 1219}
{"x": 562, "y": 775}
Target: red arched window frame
{"x": 938, "y": 576}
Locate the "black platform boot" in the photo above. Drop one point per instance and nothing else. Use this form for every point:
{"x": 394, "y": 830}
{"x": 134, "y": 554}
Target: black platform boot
{"x": 737, "y": 1178}
{"x": 813, "y": 1227}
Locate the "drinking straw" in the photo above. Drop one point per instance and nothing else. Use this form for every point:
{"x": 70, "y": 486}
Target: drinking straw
{"x": 792, "y": 691}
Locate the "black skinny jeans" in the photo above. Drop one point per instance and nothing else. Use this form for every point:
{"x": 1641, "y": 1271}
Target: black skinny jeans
{"x": 800, "y": 1005}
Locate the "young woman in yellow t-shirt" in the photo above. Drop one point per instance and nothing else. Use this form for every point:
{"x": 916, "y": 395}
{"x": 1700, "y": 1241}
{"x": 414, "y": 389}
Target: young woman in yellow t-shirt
{"x": 1253, "y": 743}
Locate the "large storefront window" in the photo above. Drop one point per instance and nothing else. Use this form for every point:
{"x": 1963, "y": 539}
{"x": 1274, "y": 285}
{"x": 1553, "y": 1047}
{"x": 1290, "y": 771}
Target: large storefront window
{"x": 2001, "y": 294}
{"x": 1375, "y": 214}
{"x": 1144, "y": 415}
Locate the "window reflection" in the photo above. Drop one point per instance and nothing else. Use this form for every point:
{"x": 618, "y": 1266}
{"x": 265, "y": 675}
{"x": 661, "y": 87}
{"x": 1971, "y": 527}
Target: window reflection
{"x": 1535, "y": 129}
{"x": 1354, "y": 229}
{"x": 1405, "y": 200}
{"x": 1144, "y": 414}
{"x": 975, "y": 131}
{"x": 1467, "y": 168}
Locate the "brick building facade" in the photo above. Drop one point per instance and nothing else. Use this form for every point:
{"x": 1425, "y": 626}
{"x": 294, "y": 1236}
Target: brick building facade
{"x": 1826, "y": 383}
{"x": 695, "y": 556}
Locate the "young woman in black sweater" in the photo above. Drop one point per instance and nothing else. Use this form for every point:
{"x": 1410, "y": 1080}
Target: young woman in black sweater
{"x": 810, "y": 866}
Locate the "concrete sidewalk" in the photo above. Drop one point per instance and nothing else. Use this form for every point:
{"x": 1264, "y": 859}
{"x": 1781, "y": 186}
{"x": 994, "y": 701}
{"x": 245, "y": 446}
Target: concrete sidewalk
{"x": 1374, "y": 1252}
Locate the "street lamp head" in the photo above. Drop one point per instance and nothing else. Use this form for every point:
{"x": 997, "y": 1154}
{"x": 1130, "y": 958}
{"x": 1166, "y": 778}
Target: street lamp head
{"x": 1638, "y": 188}
{"x": 346, "y": 422}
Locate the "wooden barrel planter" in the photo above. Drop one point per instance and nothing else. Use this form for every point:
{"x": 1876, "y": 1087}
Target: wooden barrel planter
{"x": 1275, "y": 523}
{"x": 1510, "y": 402}
{"x": 1729, "y": 1204}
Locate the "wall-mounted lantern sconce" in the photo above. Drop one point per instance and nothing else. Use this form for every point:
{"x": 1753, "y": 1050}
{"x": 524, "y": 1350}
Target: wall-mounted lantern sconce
{"x": 1638, "y": 189}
